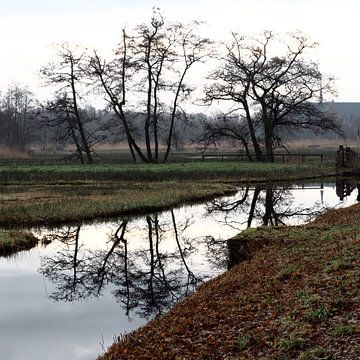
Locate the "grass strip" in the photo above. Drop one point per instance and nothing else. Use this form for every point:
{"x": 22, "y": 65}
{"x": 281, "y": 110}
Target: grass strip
{"x": 159, "y": 172}
{"x": 53, "y": 204}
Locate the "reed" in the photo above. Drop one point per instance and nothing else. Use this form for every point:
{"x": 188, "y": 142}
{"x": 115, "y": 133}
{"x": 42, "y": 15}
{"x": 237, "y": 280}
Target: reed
{"x": 10, "y": 154}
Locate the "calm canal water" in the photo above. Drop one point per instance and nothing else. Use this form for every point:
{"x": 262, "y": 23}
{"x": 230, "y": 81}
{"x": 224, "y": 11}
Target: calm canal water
{"x": 71, "y": 298}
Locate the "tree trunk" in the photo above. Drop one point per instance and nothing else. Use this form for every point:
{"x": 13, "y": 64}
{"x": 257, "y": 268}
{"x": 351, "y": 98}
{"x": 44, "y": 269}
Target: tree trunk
{"x": 257, "y": 191}
{"x": 256, "y": 146}
{"x": 78, "y": 118}
{"x": 268, "y": 207}
{"x": 173, "y": 115}
{"x": 152, "y": 259}
{"x": 76, "y": 142}
{"x": 147, "y": 124}
{"x": 269, "y": 144}
{"x": 132, "y": 151}
{"x": 246, "y": 146}
{"x": 148, "y": 104}
{"x": 85, "y": 143}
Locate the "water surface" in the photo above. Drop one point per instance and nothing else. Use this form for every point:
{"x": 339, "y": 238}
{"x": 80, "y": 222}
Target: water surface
{"x": 94, "y": 282}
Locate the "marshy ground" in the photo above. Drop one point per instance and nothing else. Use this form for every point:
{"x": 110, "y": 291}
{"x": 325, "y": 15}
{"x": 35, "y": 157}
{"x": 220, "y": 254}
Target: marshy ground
{"x": 49, "y": 194}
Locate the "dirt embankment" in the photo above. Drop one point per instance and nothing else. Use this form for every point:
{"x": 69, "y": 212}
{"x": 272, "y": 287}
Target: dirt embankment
{"x": 297, "y": 297}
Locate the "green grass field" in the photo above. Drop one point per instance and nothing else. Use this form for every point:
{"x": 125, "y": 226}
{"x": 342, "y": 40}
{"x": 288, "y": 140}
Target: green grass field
{"x": 148, "y": 172}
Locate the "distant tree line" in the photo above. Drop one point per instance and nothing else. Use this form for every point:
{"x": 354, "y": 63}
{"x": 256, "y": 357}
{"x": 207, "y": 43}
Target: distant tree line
{"x": 271, "y": 90}
{"x": 16, "y": 117}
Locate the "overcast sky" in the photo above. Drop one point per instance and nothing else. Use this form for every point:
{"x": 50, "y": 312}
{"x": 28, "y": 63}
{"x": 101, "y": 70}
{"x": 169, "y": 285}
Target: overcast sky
{"x": 29, "y": 28}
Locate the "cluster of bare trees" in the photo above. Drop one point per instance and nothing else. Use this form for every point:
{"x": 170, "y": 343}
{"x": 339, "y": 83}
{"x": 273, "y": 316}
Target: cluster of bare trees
{"x": 267, "y": 84}
{"x": 25, "y": 123}
{"x": 146, "y": 75}
{"x": 151, "y": 66}
{"x": 272, "y": 89}
{"x": 16, "y": 115}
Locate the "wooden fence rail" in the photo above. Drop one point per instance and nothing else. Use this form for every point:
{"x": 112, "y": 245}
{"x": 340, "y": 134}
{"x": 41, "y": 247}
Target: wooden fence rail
{"x": 243, "y": 157}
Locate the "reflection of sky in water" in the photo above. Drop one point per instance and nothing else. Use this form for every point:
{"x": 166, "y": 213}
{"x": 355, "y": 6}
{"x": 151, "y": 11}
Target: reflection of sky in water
{"x": 32, "y": 326}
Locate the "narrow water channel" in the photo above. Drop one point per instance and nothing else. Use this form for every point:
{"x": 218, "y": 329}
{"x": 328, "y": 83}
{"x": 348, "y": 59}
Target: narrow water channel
{"x": 87, "y": 284}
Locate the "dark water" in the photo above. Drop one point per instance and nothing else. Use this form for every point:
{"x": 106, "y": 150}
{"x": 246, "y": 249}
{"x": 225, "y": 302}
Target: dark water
{"x": 92, "y": 283}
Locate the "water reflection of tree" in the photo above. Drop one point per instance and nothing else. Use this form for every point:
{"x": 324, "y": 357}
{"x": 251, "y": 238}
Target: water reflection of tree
{"x": 266, "y": 206}
{"x": 345, "y": 186}
{"x": 156, "y": 284}
{"x": 69, "y": 268}
{"x": 145, "y": 280}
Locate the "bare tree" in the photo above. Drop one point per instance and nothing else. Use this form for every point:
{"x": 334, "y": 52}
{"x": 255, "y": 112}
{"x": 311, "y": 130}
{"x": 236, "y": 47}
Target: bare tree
{"x": 271, "y": 82}
{"x": 57, "y": 115}
{"x": 225, "y": 128}
{"x": 151, "y": 66}
{"x": 67, "y": 76}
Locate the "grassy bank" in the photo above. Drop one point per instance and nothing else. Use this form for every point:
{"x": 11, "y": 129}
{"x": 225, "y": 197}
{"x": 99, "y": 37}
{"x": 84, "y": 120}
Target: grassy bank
{"x": 297, "y": 297}
{"x": 34, "y": 195}
{"x": 14, "y": 241}
{"x": 58, "y": 203}
{"x": 159, "y": 172}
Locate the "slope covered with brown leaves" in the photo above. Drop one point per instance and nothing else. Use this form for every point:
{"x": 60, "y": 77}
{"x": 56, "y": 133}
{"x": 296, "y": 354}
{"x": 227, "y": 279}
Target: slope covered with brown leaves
{"x": 298, "y": 297}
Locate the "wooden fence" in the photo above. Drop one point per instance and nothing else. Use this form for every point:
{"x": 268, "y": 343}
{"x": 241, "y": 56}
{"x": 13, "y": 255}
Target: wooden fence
{"x": 277, "y": 157}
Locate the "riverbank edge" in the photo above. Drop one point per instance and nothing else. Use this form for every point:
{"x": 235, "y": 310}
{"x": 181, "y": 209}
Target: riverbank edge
{"x": 296, "y": 297}
{"x": 48, "y": 214}
{"x": 12, "y": 242}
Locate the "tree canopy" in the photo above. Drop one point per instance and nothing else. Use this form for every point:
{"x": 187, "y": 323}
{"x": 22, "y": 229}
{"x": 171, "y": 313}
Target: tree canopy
{"x": 272, "y": 87}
